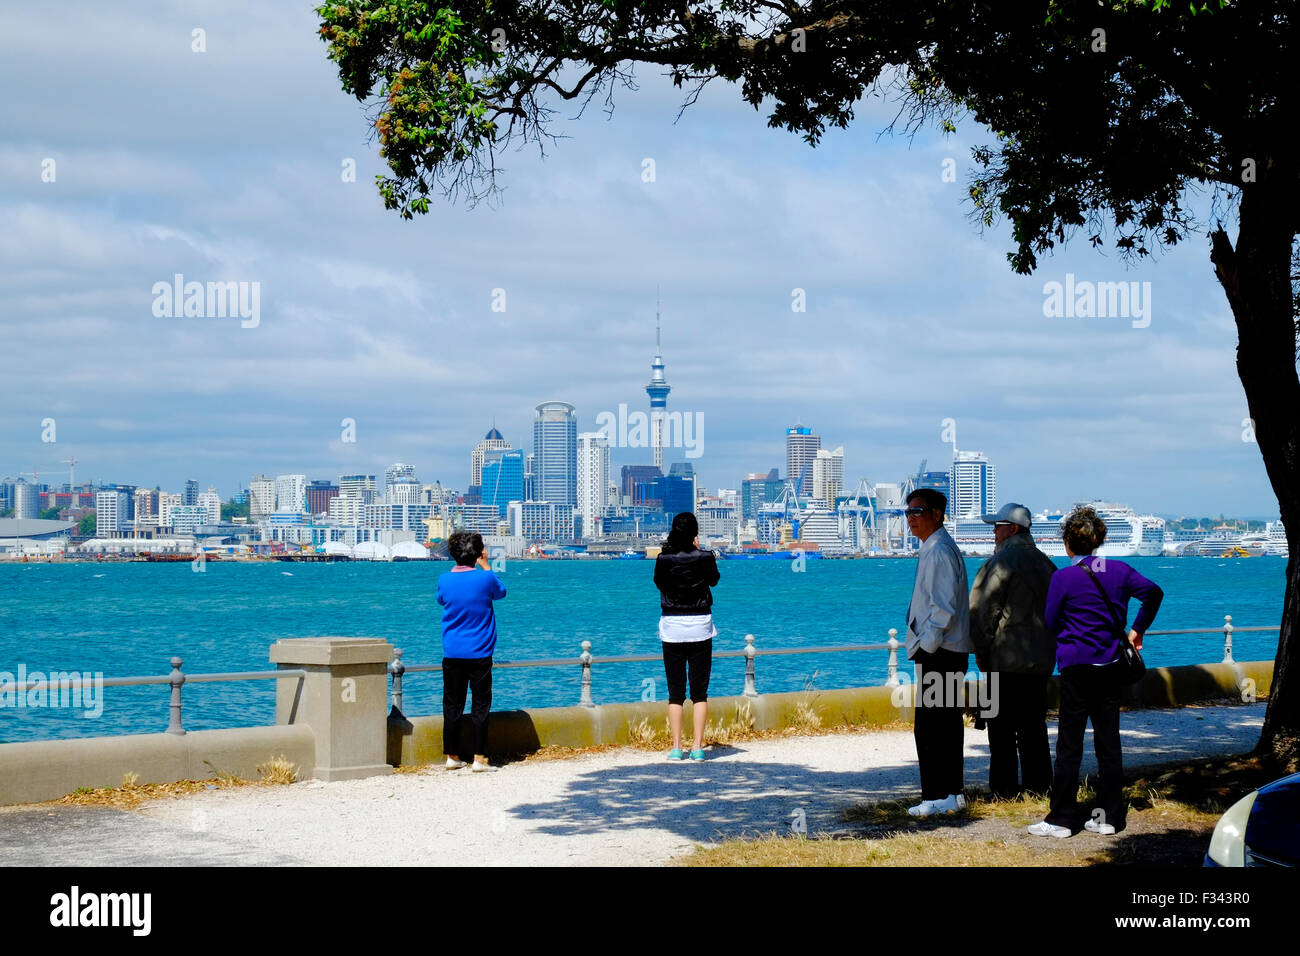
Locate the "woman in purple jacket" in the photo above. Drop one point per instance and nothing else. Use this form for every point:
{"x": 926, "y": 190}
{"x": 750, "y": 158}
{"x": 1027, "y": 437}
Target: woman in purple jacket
{"x": 1087, "y": 604}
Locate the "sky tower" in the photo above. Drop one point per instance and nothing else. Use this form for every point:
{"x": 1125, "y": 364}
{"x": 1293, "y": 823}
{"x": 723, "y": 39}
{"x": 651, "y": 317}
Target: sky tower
{"x": 658, "y": 390}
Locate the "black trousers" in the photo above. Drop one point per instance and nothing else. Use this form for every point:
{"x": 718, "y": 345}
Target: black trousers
{"x": 938, "y": 729}
{"x": 458, "y": 673}
{"x": 1088, "y": 693}
{"x": 677, "y": 655}
{"x": 1020, "y": 757}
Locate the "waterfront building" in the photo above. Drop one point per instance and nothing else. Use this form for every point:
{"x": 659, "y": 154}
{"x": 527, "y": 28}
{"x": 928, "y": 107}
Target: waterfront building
{"x": 658, "y": 390}
{"x": 261, "y": 497}
{"x": 110, "y": 513}
{"x": 361, "y": 487}
{"x": 146, "y": 505}
{"x": 593, "y": 480}
{"x": 291, "y": 493}
{"x": 718, "y": 517}
{"x": 634, "y": 479}
{"x": 485, "y": 519}
{"x": 758, "y": 489}
{"x": 319, "y": 495}
{"x": 972, "y": 480}
{"x": 503, "y": 478}
{"x": 828, "y": 475}
{"x": 400, "y": 517}
{"x": 345, "y": 510}
{"x": 210, "y": 501}
{"x": 635, "y": 522}
{"x": 190, "y": 496}
{"x": 26, "y": 500}
{"x": 188, "y": 519}
{"x": 555, "y": 447}
{"x": 801, "y": 447}
{"x": 541, "y": 521}
{"x": 492, "y": 441}
{"x": 166, "y": 502}
{"x": 403, "y": 491}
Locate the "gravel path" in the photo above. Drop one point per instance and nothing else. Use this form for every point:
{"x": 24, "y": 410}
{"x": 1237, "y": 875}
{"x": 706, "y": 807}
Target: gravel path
{"x": 623, "y": 807}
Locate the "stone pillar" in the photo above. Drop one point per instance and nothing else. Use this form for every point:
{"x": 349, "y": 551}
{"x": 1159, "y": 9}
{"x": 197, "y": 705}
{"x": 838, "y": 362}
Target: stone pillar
{"x": 343, "y": 699}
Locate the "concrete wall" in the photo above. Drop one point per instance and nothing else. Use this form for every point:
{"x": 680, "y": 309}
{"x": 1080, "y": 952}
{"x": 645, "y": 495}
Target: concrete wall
{"x": 418, "y": 740}
{"x": 47, "y": 769}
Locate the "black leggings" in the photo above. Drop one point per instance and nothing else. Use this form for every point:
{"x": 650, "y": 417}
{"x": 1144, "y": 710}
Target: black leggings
{"x": 699, "y": 655}
{"x": 458, "y": 674}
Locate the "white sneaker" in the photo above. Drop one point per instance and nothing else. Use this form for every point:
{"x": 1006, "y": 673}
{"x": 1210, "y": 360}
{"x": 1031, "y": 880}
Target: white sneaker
{"x": 1048, "y": 829}
{"x": 454, "y": 764}
{"x": 483, "y": 768}
{"x": 1105, "y": 829}
{"x": 922, "y": 809}
{"x": 949, "y": 804}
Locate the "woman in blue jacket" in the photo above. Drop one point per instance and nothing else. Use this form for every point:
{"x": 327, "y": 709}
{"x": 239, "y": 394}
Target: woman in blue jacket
{"x": 1087, "y": 609}
{"x": 684, "y": 574}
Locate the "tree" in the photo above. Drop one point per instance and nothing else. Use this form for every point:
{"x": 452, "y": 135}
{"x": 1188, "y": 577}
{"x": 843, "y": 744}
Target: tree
{"x": 86, "y": 526}
{"x": 1102, "y": 117}
{"x": 234, "y": 509}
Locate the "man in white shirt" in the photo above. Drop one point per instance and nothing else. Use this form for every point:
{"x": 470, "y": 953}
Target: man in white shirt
{"x": 938, "y": 641}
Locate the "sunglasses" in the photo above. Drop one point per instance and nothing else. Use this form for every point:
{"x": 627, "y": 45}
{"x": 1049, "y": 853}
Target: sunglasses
{"x": 915, "y": 512}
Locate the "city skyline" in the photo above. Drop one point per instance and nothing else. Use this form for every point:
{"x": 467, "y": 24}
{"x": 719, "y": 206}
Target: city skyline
{"x": 911, "y": 316}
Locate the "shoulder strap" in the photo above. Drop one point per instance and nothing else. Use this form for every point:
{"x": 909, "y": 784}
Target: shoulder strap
{"x": 1123, "y": 631}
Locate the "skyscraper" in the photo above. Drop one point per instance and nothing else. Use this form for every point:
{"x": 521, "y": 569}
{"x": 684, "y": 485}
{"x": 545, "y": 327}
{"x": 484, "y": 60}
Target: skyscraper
{"x": 190, "y": 496}
{"x": 972, "y": 485}
{"x": 492, "y": 441}
{"x": 593, "y": 479}
{"x": 290, "y": 493}
{"x": 828, "y": 475}
{"x": 261, "y": 497}
{"x": 801, "y": 447}
{"x": 503, "y": 478}
{"x": 555, "y": 450}
{"x": 658, "y": 390}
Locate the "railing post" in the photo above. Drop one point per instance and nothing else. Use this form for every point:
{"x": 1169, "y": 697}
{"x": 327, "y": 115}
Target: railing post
{"x": 585, "y": 700}
{"x": 1227, "y": 639}
{"x": 397, "y": 669}
{"x": 177, "y": 679}
{"x": 750, "y": 689}
{"x": 892, "y": 680}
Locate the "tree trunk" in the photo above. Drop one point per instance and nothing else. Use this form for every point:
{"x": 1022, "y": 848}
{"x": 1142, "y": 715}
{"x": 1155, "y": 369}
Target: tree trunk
{"x": 1256, "y": 276}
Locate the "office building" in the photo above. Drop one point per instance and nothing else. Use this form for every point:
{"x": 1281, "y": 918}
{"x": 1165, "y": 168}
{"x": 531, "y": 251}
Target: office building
{"x": 261, "y": 497}
{"x": 26, "y": 500}
{"x": 503, "y": 478}
{"x": 593, "y": 480}
{"x": 759, "y": 489}
{"x": 110, "y": 513}
{"x": 541, "y": 521}
{"x": 555, "y": 450}
{"x": 828, "y": 475}
{"x": 492, "y": 441}
{"x": 319, "y": 495}
{"x": 190, "y": 496}
{"x": 210, "y": 502}
{"x": 361, "y": 487}
{"x": 974, "y": 487}
{"x": 166, "y": 503}
{"x": 801, "y": 447}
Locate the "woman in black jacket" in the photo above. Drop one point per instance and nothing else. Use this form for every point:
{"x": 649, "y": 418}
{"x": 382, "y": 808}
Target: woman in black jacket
{"x": 684, "y": 574}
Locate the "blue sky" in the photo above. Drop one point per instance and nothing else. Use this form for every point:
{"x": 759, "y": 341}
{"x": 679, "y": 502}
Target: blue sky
{"x": 225, "y": 165}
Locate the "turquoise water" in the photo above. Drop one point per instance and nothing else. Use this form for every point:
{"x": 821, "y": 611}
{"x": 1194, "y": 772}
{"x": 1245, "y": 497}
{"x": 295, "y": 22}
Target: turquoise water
{"x": 129, "y": 619}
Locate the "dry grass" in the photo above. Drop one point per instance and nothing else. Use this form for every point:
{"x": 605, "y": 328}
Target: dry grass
{"x": 278, "y": 770}
{"x": 901, "y": 849}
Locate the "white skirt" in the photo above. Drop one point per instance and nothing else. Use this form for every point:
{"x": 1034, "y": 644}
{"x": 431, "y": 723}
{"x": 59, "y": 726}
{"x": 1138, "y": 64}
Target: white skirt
{"x": 685, "y": 628}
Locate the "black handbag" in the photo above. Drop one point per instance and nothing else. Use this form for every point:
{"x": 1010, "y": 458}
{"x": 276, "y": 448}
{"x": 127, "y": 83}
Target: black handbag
{"x": 1131, "y": 666}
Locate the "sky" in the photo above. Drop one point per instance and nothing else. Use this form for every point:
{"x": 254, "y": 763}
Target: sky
{"x": 227, "y": 165}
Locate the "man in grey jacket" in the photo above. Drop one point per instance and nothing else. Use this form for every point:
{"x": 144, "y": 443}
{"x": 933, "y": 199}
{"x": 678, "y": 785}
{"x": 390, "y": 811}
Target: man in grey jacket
{"x": 1016, "y": 650}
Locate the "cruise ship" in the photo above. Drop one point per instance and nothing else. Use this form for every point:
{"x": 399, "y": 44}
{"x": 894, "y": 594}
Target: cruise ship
{"x": 1128, "y": 533}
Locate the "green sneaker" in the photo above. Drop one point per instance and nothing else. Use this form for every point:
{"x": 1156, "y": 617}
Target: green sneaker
{"x": 697, "y": 754}
{"x": 676, "y": 754}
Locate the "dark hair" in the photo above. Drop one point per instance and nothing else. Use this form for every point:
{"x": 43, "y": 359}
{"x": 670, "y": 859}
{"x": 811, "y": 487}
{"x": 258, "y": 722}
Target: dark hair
{"x": 1083, "y": 531}
{"x": 465, "y": 547}
{"x": 930, "y": 499}
{"x": 682, "y": 536}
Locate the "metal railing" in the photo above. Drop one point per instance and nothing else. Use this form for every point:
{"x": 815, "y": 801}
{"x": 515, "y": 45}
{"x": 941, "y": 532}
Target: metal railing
{"x": 175, "y": 680}
{"x": 585, "y": 660}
